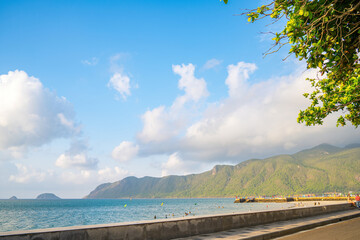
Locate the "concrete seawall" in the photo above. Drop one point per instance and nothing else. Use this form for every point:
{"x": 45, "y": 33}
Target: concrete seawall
{"x": 172, "y": 228}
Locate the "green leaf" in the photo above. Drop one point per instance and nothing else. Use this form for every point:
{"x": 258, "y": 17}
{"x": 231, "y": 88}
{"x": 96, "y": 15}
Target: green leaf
{"x": 330, "y": 48}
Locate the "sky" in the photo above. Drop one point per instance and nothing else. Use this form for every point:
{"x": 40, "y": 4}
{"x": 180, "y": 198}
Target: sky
{"x": 95, "y": 91}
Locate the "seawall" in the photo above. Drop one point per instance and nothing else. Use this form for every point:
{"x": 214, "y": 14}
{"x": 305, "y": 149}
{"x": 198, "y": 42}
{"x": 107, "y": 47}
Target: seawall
{"x": 172, "y": 228}
{"x": 293, "y": 199}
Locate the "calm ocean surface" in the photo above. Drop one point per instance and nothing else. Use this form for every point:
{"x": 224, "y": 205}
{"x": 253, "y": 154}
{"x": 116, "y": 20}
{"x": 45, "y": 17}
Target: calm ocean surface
{"x": 35, "y": 214}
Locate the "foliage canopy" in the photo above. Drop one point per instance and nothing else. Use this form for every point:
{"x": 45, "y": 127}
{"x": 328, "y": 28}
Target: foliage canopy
{"x": 326, "y": 34}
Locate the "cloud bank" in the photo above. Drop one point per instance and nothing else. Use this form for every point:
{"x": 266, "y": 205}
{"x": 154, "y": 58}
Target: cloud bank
{"x": 27, "y": 174}
{"x": 254, "y": 120}
{"x": 83, "y": 176}
{"x": 259, "y": 119}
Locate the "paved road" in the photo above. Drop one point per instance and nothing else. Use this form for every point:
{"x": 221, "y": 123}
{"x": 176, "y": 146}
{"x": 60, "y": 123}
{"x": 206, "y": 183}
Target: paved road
{"x": 345, "y": 230}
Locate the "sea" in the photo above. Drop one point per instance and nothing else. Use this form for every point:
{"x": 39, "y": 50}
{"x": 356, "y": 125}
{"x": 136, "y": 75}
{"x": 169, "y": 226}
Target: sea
{"x": 26, "y": 214}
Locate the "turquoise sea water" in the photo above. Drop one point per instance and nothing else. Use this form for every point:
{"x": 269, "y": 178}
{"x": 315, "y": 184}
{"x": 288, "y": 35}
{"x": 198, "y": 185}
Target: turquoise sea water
{"x": 35, "y": 214}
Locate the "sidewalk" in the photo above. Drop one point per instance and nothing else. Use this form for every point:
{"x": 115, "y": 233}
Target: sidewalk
{"x": 344, "y": 230}
{"x": 279, "y": 229}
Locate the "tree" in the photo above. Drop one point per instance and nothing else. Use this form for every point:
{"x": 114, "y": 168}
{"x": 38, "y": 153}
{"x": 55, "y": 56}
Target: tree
{"x": 327, "y": 35}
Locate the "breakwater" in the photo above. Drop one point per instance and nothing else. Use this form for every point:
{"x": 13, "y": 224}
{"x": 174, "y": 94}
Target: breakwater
{"x": 173, "y": 228}
{"x": 292, "y": 199}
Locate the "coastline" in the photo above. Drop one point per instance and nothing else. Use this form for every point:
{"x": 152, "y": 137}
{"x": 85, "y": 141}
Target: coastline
{"x": 15, "y": 215}
{"x": 180, "y": 227}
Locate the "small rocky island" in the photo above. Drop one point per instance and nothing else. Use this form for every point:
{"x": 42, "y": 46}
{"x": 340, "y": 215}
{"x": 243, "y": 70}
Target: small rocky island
{"x": 13, "y": 198}
{"x": 47, "y": 196}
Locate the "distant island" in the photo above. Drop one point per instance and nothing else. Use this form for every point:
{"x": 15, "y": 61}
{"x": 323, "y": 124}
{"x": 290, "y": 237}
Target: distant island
{"x": 13, "y": 198}
{"x": 47, "y": 196}
{"x": 324, "y": 168}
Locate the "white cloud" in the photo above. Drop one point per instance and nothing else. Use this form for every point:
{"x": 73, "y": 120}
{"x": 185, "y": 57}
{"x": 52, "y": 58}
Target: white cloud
{"x": 27, "y": 174}
{"x": 31, "y": 115}
{"x": 195, "y": 88}
{"x": 106, "y": 174}
{"x": 66, "y": 122}
{"x": 174, "y": 165}
{"x": 161, "y": 123}
{"x": 78, "y": 161}
{"x": 111, "y": 174}
{"x": 212, "y": 63}
{"x": 125, "y": 151}
{"x": 77, "y": 177}
{"x": 90, "y": 62}
{"x": 121, "y": 83}
{"x": 120, "y": 80}
{"x": 255, "y": 120}
{"x": 237, "y": 77}
{"x": 76, "y": 157}
{"x": 115, "y": 59}
{"x": 259, "y": 119}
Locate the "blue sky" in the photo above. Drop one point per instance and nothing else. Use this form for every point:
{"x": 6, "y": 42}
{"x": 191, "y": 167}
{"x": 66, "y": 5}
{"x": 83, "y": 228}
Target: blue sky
{"x": 94, "y": 91}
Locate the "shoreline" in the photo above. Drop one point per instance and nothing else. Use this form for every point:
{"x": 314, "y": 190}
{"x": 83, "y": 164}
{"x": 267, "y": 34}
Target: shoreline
{"x": 168, "y": 213}
{"x": 181, "y": 227}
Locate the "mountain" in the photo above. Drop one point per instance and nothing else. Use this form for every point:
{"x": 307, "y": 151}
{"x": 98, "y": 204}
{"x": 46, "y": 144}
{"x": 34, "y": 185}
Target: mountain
{"x": 324, "y": 168}
{"x": 47, "y": 196}
{"x": 13, "y": 198}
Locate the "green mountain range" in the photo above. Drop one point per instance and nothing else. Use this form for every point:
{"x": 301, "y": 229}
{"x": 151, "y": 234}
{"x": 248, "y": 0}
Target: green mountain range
{"x": 324, "y": 168}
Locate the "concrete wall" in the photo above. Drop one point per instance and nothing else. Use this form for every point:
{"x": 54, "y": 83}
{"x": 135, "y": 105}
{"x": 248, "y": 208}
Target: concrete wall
{"x": 171, "y": 228}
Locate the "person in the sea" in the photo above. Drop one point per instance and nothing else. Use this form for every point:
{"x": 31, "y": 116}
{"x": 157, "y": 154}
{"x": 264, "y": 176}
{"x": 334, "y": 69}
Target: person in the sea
{"x": 357, "y": 199}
